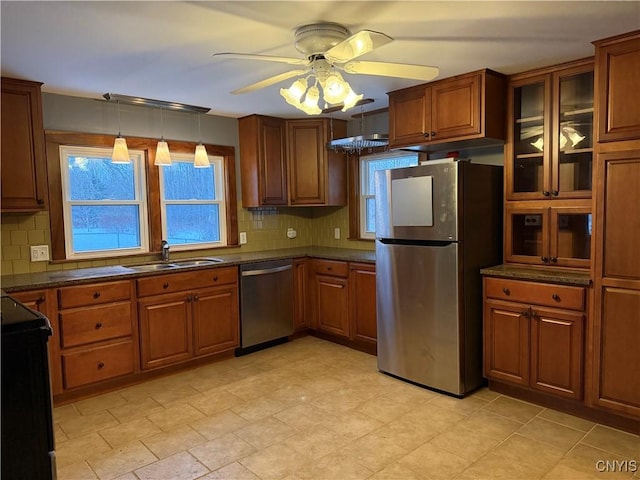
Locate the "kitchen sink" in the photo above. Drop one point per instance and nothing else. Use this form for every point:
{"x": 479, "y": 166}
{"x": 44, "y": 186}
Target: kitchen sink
{"x": 194, "y": 262}
{"x": 151, "y": 267}
{"x": 187, "y": 262}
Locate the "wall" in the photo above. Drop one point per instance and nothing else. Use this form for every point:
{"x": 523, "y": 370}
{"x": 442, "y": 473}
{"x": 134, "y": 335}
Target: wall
{"x": 266, "y": 228}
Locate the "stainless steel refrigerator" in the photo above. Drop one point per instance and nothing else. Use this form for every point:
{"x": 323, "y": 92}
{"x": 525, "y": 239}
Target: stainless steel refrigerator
{"x": 437, "y": 225}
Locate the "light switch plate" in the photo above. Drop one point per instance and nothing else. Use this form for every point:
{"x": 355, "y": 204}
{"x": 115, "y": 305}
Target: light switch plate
{"x": 336, "y": 233}
{"x": 39, "y": 253}
{"x": 243, "y": 238}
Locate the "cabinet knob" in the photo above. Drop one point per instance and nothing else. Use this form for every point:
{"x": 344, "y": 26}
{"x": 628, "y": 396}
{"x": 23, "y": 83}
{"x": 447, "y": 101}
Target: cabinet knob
{"x": 40, "y": 201}
{"x": 166, "y": 285}
{"x": 554, "y": 259}
{"x": 556, "y": 297}
{"x": 545, "y": 193}
{"x": 545, "y": 259}
{"x": 329, "y": 269}
{"x": 554, "y": 193}
{"x": 506, "y": 291}
{"x": 196, "y": 297}
{"x": 215, "y": 278}
{"x": 426, "y": 135}
{"x": 100, "y": 365}
{"x": 525, "y": 313}
{"x": 433, "y": 134}
{"x": 189, "y": 298}
{"x": 96, "y": 295}
{"x": 98, "y": 325}
{"x": 39, "y": 300}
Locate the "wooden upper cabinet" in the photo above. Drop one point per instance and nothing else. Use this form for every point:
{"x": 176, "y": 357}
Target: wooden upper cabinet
{"x": 468, "y": 107}
{"x": 618, "y": 76}
{"x": 263, "y": 161}
{"x": 24, "y": 181}
{"x": 317, "y": 176}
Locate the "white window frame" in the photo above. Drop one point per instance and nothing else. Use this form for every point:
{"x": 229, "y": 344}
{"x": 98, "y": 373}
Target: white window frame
{"x": 140, "y": 200}
{"x": 364, "y": 182}
{"x": 217, "y": 162}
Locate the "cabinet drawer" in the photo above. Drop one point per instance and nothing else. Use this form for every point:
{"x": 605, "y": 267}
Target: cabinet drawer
{"x": 331, "y": 267}
{"x": 87, "y": 295}
{"x": 97, "y": 364}
{"x": 95, "y": 324}
{"x": 177, "y": 282}
{"x": 561, "y": 296}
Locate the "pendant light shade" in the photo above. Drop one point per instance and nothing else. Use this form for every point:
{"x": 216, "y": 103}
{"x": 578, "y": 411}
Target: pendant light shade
{"x": 163, "y": 158}
{"x": 120, "y": 151}
{"x": 201, "y": 159}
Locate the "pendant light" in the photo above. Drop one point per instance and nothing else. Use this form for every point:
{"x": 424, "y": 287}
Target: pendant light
{"x": 201, "y": 159}
{"x": 120, "y": 151}
{"x": 163, "y": 158}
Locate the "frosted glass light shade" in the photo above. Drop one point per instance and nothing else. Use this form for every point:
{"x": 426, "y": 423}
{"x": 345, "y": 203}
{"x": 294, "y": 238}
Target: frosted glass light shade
{"x": 351, "y": 99}
{"x": 310, "y": 104}
{"x": 294, "y": 93}
{"x": 335, "y": 89}
{"x": 163, "y": 158}
{"x": 120, "y": 151}
{"x": 201, "y": 159}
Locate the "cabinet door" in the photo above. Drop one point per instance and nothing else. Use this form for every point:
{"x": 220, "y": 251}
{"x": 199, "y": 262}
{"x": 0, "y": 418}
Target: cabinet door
{"x": 455, "y": 108}
{"x": 527, "y": 159}
{"x": 24, "y": 181}
{"x": 506, "y": 342}
{"x": 618, "y": 67}
{"x": 215, "y": 319}
{"x": 526, "y": 234}
{"x": 307, "y": 161}
{"x": 273, "y": 167}
{"x": 165, "y": 329}
{"x": 617, "y": 356}
{"x": 570, "y": 236}
{"x": 333, "y": 311}
{"x": 300, "y": 294}
{"x": 409, "y": 116}
{"x": 557, "y": 349}
{"x": 362, "y": 302}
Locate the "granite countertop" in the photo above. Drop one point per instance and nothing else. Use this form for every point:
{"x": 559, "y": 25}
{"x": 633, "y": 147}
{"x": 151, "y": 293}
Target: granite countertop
{"x": 29, "y": 281}
{"x": 539, "y": 274}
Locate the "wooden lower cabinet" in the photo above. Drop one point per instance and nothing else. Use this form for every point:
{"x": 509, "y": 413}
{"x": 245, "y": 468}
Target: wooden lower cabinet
{"x": 215, "y": 320}
{"x": 300, "y": 280}
{"x": 333, "y": 310}
{"x": 362, "y": 303}
{"x": 534, "y": 345}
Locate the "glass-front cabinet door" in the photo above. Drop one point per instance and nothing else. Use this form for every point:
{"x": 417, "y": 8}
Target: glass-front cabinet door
{"x": 527, "y": 234}
{"x": 570, "y": 237}
{"x": 573, "y": 153}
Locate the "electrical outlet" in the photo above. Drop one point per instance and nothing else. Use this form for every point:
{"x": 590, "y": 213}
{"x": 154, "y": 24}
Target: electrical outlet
{"x": 291, "y": 233}
{"x": 336, "y": 233}
{"x": 243, "y": 238}
{"x": 40, "y": 253}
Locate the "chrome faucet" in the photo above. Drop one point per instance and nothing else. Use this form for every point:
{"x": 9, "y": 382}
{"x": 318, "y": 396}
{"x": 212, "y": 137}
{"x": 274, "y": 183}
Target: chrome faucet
{"x": 165, "y": 251}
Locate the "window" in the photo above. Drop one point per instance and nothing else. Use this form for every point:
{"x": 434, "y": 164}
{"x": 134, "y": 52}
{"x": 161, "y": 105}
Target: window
{"x": 104, "y": 204}
{"x": 193, "y": 203}
{"x": 370, "y": 164}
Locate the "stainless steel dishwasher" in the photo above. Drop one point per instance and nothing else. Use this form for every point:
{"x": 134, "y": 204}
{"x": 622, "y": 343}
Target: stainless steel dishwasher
{"x": 266, "y": 304}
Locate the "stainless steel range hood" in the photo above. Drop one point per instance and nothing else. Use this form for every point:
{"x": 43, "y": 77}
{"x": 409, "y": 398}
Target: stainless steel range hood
{"x": 363, "y": 136}
{"x": 359, "y": 143}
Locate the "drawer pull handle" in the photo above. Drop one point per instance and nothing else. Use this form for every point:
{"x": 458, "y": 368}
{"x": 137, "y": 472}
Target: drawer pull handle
{"x": 506, "y": 291}
{"x": 96, "y": 295}
{"x": 166, "y": 285}
{"x": 100, "y": 365}
{"x": 556, "y": 297}
{"x": 98, "y": 325}
{"x": 215, "y": 278}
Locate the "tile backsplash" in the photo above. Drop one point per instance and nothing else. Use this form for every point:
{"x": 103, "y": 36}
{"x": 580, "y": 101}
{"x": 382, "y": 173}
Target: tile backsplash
{"x": 266, "y": 229}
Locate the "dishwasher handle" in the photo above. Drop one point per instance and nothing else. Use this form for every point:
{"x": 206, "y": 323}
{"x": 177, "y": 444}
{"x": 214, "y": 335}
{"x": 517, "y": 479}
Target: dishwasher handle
{"x": 266, "y": 271}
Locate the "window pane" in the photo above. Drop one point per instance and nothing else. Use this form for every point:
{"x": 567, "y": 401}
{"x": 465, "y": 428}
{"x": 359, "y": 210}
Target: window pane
{"x": 386, "y": 164}
{"x": 184, "y": 182}
{"x": 96, "y": 178}
{"x": 370, "y": 226}
{"x": 193, "y": 223}
{"x": 105, "y": 227}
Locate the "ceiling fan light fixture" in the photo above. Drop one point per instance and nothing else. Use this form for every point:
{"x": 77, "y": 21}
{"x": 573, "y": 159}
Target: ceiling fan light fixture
{"x": 335, "y": 89}
{"x": 351, "y": 99}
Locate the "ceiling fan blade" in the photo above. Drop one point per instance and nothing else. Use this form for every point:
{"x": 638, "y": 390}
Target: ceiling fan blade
{"x": 267, "y": 58}
{"x": 270, "y": 81}
{"x": 358, "y": 44}
{"x": 398, "y": 70}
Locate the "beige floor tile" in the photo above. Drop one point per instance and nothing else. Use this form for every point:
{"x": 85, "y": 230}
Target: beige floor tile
{"x": 175, "y": 394}
{"x": 538, "y": 457}
{"x": 129, "y": 431}
{"x": 138, "y": 408}
{"x": 352, "y": 425}
{"x": 78, "y": 449}
{"x": 265, "y": 432}
{"x": 175, "y": 415}
{"x": 178, "y": 439}
{"x": 121, "y": 460}
{"x": 566, "y": 419}
{"x": 490, "y": 423}
{"x": 316, "y": 442}
{"x": 79, "y": 426}
{"x": 100, "y": 403}
{"x": 514, "y": 409}
{"x": 292, "y": 394}
{"x": 222, "y": 451}
{"x": 464, "y": 406}
{"x": 485, "y": 394}
{"x": 405, "y": 433}
{"x": 385, "y": 408}
{"x": 215, "y": 401}
{"x": 128, "y": 476}
{"x": 564, "y": 472}
{"x": 219, "y": 424}
{"x": 434, "y": 463}
{"x": 433, "y": 417}
{"x": 615, "y": 441}
{"x": 495, "y": 467}
{"x": 397, "y": 471}
{"x": 258, "y": 409}
{"x": 76, "y": 471}
{"x": 324, "y": 384}
{"x": 180, "y": 466}
{"x": 468, "y": 444}
{"x": 302, "y": 416}
{"x": 585, "y": 458}
{"x": 551, "y": 433}
{"x": 332, "y": 467}
{"x": 233, "y": 471}
{"x": 59, "y": 435}
{"x": 374, "y": 452}
{"x": 342, "y": 400}
{"x": 274, "y": 462}
{"x": 65, "y": 412}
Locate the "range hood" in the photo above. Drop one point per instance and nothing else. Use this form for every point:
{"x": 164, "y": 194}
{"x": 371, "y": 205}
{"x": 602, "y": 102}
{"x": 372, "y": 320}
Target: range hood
{"x": 358, "y": 143}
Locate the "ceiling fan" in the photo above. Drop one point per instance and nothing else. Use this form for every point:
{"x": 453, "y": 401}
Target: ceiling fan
{"x": 329, "y": 48}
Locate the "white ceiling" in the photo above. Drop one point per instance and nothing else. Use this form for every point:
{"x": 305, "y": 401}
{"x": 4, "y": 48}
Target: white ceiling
{"x": 163, "y": 50}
